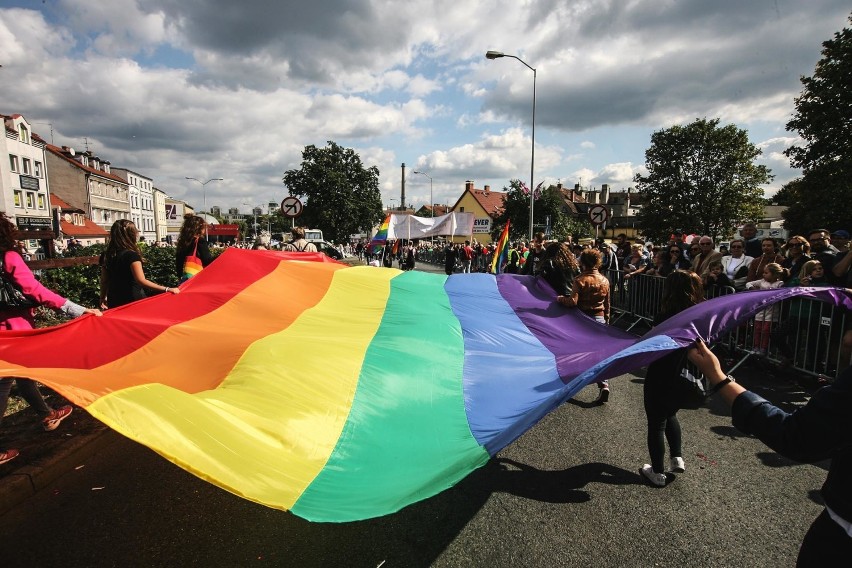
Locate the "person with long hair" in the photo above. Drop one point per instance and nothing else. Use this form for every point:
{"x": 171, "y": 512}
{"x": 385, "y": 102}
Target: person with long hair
{"x": 590, "y": 295}
{"x": 559, "y": 267}
{"x": 122, "y": 277}
{"x": 15, "y": 270}
{"x": 797, "y": 251}
{"x": 682, "y": 289}
{"x": 192, "y": 239}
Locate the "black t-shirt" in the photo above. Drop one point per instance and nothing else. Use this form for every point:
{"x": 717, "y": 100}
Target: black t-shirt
{"x": 533, "y": 264}
{"x": 122, "y": 288}
{"x": 450, "y": 256}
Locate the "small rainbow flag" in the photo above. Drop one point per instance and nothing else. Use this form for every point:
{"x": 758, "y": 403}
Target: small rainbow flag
{"x": 381, "y": 237}
{"x": 501, "y": 253}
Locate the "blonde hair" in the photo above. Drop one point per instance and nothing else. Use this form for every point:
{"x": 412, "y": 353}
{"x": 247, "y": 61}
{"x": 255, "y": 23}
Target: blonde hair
{"x": 808, "y": 268}
{"x": 774, "y": 268}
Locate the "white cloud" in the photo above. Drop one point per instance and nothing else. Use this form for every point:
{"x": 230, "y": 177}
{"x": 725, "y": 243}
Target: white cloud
{"x": 175, "y": 87}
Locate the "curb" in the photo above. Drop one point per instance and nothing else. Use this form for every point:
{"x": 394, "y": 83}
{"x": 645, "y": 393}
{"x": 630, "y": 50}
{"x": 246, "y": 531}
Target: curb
{"x": 20, "y": 485}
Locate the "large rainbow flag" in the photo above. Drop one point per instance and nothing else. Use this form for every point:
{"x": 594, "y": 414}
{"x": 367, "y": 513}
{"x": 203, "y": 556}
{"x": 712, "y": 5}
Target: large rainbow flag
{"x": 342, "y": 393}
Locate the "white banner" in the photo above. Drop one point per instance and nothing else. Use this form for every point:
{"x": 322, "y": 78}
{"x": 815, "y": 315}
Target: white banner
{"x": 449, "y": 225}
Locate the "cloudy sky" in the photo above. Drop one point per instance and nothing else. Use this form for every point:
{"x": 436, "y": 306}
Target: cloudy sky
{"x": 215, "y": 88}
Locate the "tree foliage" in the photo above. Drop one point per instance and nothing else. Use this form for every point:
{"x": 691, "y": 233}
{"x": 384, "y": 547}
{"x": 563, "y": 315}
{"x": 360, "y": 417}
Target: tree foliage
{"x": 548, "y": 202}
{"x": 823, "y": 119}
{"x": 701, "y": 178}
{"x": 341, "y": 196}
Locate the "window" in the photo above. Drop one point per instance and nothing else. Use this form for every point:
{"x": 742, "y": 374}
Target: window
{"x": 24, "y": 134}
{"x": 19, "y": 198}
{"x": 13, "y": 162}
{"x": 41, "y": 201}
{"x": 26, "y": 163}
{"x": 30, "y": 200}
{"x": 38, "y": 172}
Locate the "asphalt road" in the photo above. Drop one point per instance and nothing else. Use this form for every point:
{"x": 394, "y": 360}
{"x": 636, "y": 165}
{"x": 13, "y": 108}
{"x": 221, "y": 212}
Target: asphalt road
{"x": 567, "y": 493}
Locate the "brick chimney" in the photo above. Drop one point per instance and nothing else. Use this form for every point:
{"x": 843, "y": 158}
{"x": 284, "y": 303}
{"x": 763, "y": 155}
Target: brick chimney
{"x": 468, "y": 185}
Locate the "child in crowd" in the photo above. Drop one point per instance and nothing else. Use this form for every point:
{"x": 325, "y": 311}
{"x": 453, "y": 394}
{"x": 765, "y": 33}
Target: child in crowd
{"x": 717, "y": 278}
{"x": 812, "y": 274}
{"x": 763, "y": 320}
{"x": 804, "y": 315}
{"x": 682, "y": 289}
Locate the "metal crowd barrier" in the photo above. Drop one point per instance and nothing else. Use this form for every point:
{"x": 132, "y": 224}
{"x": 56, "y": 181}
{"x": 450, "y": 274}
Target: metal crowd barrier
{"x": 804, "y": 334}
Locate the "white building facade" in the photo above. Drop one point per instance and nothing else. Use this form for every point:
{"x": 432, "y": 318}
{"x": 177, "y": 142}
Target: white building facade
{"x": 141, "y": 197}
{"x": 24, "y": 195}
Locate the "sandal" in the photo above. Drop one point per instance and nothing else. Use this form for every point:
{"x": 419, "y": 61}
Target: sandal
{"x": 8, "y": 455}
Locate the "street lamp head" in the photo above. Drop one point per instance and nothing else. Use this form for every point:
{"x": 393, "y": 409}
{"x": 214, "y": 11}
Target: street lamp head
{"x": 494, "y": 54}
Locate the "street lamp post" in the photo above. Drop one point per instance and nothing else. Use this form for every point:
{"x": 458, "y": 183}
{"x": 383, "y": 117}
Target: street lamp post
{"x": 254, "y": 209}
{"x": 431, "y": 200}
{"x": 204, "y": 188}
{"x": 497, "y": 55}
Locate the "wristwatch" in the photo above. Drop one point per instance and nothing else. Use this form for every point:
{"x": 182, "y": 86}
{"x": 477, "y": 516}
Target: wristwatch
{"x": 718, "y": 386}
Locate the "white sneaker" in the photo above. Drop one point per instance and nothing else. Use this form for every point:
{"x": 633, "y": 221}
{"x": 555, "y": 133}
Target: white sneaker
{"x": 656, "y": 479}
{"x": 676, "y": 464}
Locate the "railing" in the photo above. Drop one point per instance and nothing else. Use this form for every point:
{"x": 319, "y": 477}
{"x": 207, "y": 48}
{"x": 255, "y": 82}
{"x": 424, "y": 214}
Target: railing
{"x": 803, "y": 334}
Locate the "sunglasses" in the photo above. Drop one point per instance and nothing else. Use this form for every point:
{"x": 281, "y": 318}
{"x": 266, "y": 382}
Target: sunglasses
{"x": 796, "y": 244}
{"x": 675, "y": 251}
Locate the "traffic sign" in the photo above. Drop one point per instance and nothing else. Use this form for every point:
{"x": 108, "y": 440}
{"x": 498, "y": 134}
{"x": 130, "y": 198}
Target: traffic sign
{"x": 291, "y": 207}
{"x": 598, "y": 214}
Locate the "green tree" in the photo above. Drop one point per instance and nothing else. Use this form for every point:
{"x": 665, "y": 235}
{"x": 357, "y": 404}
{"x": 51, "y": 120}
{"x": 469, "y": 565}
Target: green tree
{"x": 702, "y": 178}
{"x": 823, "y": 119}
{"x": 342, "y": 197}
{"x": 547, "y": 203}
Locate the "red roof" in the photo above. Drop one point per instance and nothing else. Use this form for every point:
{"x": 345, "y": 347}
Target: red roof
{"x": 63, "y": 205}
{"x": 492, "y": 202}
{"x": 87, "y": 230}
{"x": 60, "y": 153}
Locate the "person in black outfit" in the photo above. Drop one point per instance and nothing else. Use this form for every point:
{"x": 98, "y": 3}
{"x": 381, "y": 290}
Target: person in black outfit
{"x": 535, "y": 256}
{"x": 409, "y": 257}
{"x": 192, "y": 238}
{"x": 122, "y": 278}
{"x": 450, "y": 255}
{"x": 822, "y": 429}
{"x": 681, "y": 290}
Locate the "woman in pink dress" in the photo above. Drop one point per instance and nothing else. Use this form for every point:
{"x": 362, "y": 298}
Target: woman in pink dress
{"x": 14, "y": 269}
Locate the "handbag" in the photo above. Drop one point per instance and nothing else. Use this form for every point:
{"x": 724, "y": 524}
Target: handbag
{"x": 11, "y": 297}
{"x": 192, "y": 264}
